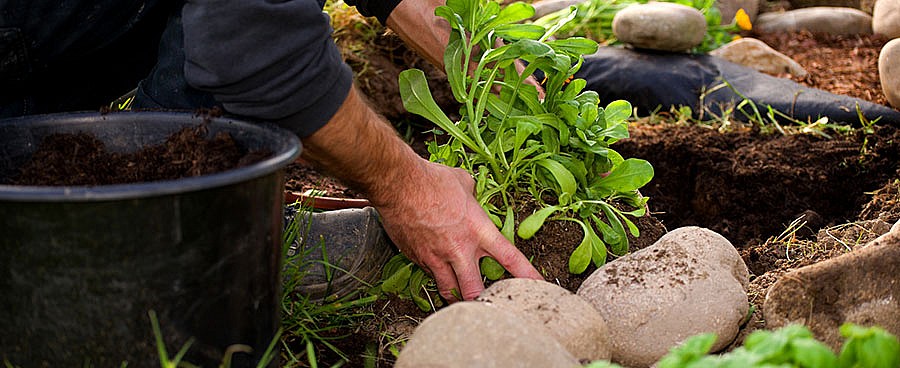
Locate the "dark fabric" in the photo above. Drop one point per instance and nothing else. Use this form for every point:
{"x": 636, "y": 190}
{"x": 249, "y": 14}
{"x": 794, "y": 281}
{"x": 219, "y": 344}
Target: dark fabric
{"x": 651, "y": 80}
{"x": 260, "y": 60}
{"x": 379, "y": 9}
{"x": 166, "y": 87}
{"x": 57, "y": 55}
{"x": 264, "y": 60}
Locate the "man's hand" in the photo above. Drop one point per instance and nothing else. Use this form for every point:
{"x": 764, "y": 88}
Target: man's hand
{"x": 428, "y": 209}
{"x": 437, "y": 223}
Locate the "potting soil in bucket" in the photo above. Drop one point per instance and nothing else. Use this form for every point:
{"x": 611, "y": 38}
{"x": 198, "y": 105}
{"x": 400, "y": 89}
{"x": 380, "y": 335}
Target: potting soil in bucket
{"x": 83, "y": 266}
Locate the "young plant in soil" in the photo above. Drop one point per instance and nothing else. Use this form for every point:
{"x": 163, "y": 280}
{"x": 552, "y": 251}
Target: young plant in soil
{"x": 519, "y": 146}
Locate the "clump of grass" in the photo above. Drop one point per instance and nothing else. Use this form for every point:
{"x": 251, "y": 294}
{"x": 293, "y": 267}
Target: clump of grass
{"x": 311, "y": 328}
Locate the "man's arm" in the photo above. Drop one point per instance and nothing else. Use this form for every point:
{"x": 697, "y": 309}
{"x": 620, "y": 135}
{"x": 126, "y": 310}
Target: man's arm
{"x": 427, "y": 209}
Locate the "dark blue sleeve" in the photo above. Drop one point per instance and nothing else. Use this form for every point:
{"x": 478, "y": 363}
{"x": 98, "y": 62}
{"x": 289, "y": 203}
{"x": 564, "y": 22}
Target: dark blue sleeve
{"x": 380, "y": 9}
{"x": 266, "y": 60}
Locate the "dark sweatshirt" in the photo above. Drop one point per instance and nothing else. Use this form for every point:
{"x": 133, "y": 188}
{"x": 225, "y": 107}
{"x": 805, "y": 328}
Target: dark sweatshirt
{"x": 269, "y": 60}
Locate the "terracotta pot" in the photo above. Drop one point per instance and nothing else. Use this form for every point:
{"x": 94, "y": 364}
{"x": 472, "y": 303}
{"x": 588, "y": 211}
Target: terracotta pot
{"x": 325, "y": 203}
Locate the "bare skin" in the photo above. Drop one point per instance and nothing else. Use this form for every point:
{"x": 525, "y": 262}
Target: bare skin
{"x": 427, "y": 209}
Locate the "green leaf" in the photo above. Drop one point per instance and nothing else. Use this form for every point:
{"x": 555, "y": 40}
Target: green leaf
{"x": 575, "y": 166}
{"x": 630, "y": 175}
{"x": 529, "y": 96}
{"x": 550, "y": 138}
{"x": 398, "y": 282}
{"x": 509, "y": 226}
{"x": 581, "y": 257}
{"x": 531, "y": 224}
{"x": 520, "y": 31}
{"x": 691, "y": 350}
{"x": 518, "y": 49}
{"x": 498, "y": 108}
{"x": 417, "y": 282}
{"x": 574, "y": 46}
{"x": 491, "y": 269}
{"x": 598, "y": 249}
{"x": 525, "y": 127}
{"x": 564, "y": 178}
{"x": 868, "y": 347}
{"x": 573, "y": 89}
{"x": 809, "y": 353}
{"x": 453, "y": 60}
{"x": 562, "y": 21}
{"x": 417, "y": 99}
{"x": 617, "y": 111}
{"x": 618, "y": 240}
{"x": 393, "y": 265}
{"x": 512, "y": 13}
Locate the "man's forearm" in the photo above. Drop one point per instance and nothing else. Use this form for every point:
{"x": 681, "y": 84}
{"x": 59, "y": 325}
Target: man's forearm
{"x": 360, "y": 148}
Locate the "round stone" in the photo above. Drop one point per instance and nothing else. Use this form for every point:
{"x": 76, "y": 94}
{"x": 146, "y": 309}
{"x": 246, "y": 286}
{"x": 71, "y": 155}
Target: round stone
{"x": 660, "y": 26}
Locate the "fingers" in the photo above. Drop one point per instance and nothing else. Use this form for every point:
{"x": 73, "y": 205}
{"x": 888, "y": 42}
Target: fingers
{"x": 468, "y": 276}
{"x": 512, "y": 259}
{"x": 446, "y": 281}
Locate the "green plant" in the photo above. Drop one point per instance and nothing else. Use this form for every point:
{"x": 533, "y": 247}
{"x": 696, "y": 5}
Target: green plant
{"x": 174, "y": 362}
{"x": 594, "y": 20}
{"x": 406, "y": 280}
{"x": 787, "y": 347}
{"x": 515, "y": 144}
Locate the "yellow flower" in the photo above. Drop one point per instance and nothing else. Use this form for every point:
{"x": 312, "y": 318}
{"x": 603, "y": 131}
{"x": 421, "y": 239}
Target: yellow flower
{"x": 743, "y": 20}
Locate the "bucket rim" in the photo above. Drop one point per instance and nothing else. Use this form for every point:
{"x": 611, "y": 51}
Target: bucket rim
{"x": 286, "y": 148}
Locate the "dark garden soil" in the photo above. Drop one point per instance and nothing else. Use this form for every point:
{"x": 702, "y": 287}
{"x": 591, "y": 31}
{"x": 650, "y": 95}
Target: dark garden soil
{"x": 81, "y": 159}
{"x": 749, "y": 187}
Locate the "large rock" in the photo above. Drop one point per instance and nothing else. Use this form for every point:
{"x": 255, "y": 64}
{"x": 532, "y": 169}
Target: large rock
{"x": 476, "y": 334}
{"x": 831, "y": 20}
{"x": 889, "y": 71}
{"x": 567, "y": 317}
{"x": 755, "y": 54}
{"x": 660, "y": 26}
{"x": 886, "y": 18}
{"x": 728, "y": 8}
{"x": 690, "y": 281}
{"x": 859, "y": 287}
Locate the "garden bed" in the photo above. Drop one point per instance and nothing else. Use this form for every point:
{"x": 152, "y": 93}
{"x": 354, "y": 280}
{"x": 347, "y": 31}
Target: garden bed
{"x": 763, "y": 192}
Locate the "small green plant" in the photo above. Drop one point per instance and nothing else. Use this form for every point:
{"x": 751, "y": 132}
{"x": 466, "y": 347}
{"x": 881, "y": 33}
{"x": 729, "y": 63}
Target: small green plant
{"x": 403, "y": 278}
{"x": 787, "y": 347}
{"x": 516, "y": 145}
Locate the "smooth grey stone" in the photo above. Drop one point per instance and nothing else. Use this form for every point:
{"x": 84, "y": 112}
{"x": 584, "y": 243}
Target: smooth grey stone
{"x": 886, "y": 18}
{"x": 690, "y": 281}
{"x": 477, "y": 334}
{"x": 824, "y": 19}
{"x": 660, "y": 26}
{"x": 567, "y": 317}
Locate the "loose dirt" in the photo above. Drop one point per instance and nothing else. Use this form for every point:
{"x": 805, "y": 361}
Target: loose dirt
{"x": 82, "y": 159}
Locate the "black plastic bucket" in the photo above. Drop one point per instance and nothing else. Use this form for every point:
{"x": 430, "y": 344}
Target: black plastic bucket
{"x": 81, "y": 267}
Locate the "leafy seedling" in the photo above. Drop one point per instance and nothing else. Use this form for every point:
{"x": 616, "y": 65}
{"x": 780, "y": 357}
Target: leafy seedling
{"x": 518, "y": 146}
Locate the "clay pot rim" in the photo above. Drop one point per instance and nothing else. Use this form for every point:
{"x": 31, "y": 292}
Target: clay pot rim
{"x": 324, "y": 202}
